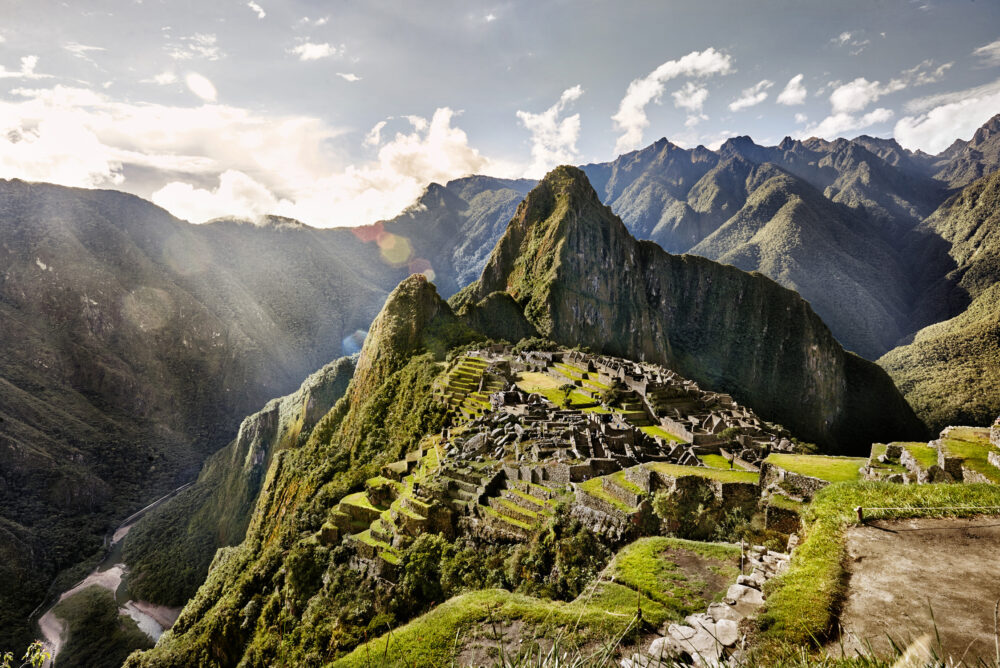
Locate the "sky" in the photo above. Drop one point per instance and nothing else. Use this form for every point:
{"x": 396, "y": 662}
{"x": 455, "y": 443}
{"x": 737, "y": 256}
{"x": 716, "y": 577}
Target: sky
{"x": 340, "y": 112}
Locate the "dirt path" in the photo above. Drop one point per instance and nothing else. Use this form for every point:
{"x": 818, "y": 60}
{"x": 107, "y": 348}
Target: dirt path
{"x": 900, "y": 571}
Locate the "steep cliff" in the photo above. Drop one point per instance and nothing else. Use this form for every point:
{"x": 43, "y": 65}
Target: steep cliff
{"x": 581, "y": 278}
{"x": 169, "y": 551}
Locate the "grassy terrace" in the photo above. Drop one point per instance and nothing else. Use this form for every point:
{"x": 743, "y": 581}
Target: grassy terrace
{"x": 974, "y": 446}
{"x": 715, "y": 461}
{"x": 650, "y": 566}
{"x": 801, "y": 603}
{"x": 824, "y": 467}
{"x": 656, "y": 430}
{"x": 722, "y": 475}
{"x": 435, "y": 638}
{"x": 878, "y": 449}
{"x": 925, "y": 455}
{"x": 594, "y": 488}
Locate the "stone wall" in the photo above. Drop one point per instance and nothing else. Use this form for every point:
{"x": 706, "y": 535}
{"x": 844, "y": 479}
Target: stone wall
{"x": 783, "y": 520}
{"x": 800, "y": 485}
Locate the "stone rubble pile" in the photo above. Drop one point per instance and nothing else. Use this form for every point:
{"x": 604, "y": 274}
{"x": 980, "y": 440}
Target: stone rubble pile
{"x": 712, "y": 638}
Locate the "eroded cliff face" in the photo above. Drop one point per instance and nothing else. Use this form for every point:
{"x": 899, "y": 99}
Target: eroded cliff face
{"x": 582, "y": 279}
{"x": 169, "y": 551}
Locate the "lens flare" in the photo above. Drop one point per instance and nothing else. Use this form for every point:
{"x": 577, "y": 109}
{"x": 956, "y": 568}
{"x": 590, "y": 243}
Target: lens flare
{"x": 352, "y": 342}
{"x": 396, "y": 250}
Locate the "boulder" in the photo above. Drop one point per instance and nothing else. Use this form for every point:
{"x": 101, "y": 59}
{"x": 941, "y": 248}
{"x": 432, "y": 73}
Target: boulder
{"x": 727, "y": 632}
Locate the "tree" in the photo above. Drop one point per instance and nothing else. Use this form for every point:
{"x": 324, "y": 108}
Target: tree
{"x": 35, "y": 656}
{"x": 567, "y": 390}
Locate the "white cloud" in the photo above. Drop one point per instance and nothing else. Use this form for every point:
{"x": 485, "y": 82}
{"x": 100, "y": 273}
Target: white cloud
{"x": 162, "y": 79}
{"x": 691, "y": 97}
{"x": 357, "y": 195}
{"x": 81, "y": 50}
{"x": 313, "y": 51}
{"x": 257, "y": 9}
{"x": 794, "y": 92}
{"x": 849, "y": 39}
{"x": 306, "y": 21}
{"x": 214, "y": 159}
{"x": 989, "y": 53}
{"x": 349, "y": 76}
{"x": 858, "y": 94}
{"x": 553, "y": 139}
{"x": 374, "y": 136}
{"x": 752, "y": 96}
{"x": 201, "y": 86}
{"x": 936, "y": 121}
{"x": 198, "y": 45}
{"x": 491, "y": 17}
{"x": 631, "y": 116}
{"x": 801, "y": 118}
{"x": 27, "y": 71}
{"x": 837, "y": 124}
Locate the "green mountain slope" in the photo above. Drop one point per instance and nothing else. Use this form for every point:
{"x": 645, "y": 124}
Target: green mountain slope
{"x": 964, "y": 162}
{"x": 949, "y": 371}
{"x": 791, "y": 233}
{"x": 134, "y": 343}
{"x": 581, "y": 278}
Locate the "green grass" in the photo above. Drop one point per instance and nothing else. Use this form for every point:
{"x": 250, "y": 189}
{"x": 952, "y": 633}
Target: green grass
{"x": 801, "y": 603}
{"x": 619, "y": 478}
{"x": 824, "y": 467}
{"x": 974, "y": 447}
{"x": 646, "y": 567}
{"x": 594, "y": 488}
{"x": 603, "y": 613}
{"x": 925, "y": 455}
{"x": 714, "y": 461}
{"x": 722, "y": 475}
{"x": 359, "y": 499}
{"x": 782, "y": 501}
{"x": 505, "y": 518}
{"x": 556, "y": 396}
{"x": 534, "y": 500}
{"x": 656, "y": 430}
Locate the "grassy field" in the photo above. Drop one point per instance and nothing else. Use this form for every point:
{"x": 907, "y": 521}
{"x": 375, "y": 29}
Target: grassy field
{"x": 801, "y": 604}
{"x": 594, "y": 488}
{"x": 925, "y": 455}
{"x": 974, "y": 446}
{"x": 722, "y": 475}
{"x": 831, "y": 469}
{"x": 656, "y": 430}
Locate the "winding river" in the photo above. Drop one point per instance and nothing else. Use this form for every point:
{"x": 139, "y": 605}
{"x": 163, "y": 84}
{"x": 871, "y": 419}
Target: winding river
{"x": 112, "y": 574}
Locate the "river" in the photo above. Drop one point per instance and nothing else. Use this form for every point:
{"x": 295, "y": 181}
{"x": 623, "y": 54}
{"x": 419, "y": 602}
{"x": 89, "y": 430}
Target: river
{"x": 112, "y": 574}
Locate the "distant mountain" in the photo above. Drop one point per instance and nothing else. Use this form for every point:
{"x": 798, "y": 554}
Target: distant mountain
{"x": 134, "y": 343}
{"x": 582, "y": 279}
{"x": 965, "y": 161}
{"x": 950, "y": 372}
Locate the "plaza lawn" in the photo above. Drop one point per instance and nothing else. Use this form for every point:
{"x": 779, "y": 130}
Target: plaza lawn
{"x": 824, "y": 467}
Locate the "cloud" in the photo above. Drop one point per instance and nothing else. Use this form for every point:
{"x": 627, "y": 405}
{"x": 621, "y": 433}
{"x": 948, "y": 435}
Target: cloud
{"x": 858, "y": 94}
{"x": 313, "y": 51}
{"x": 27, "y": 71}
{"x": 491, "y": 17}
{"x": 201, "y": 86}
{"x": 553, "y": 139}
{"x": 257, "y": 9}
{"x": 794, "y": 92}
{"x": 989, "y": 53}
{"x": 209, "y": 160}
{"x": 837, "y": 124}
{"x": 631, "y": 116}
{"x": 199, "y": 45}
{"x": 801, "y": 118}
{"x": 162, "y": 79}
{"x": 348, "y": 76}
{"x": 374, "y": 136}
{"x": 435, "y": 151}
{"x": 81, "y": 50}
{"x": 851, "y": 40}
{"x": 691, "y": 97}
{"x": 940, "y": 119}
{"x": 751, "y": 96}
{"x": 306, "y": 21}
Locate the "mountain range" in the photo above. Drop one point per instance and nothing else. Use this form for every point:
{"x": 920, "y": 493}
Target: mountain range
{"x": 138, "y": 342}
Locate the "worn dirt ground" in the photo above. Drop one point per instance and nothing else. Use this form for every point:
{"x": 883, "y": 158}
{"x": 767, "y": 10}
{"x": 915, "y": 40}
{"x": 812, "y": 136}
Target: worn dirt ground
{"x": 900, "y": 571}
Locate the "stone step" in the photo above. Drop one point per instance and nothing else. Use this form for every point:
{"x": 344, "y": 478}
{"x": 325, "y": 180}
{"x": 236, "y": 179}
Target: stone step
{"x": 512, "y": 510}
